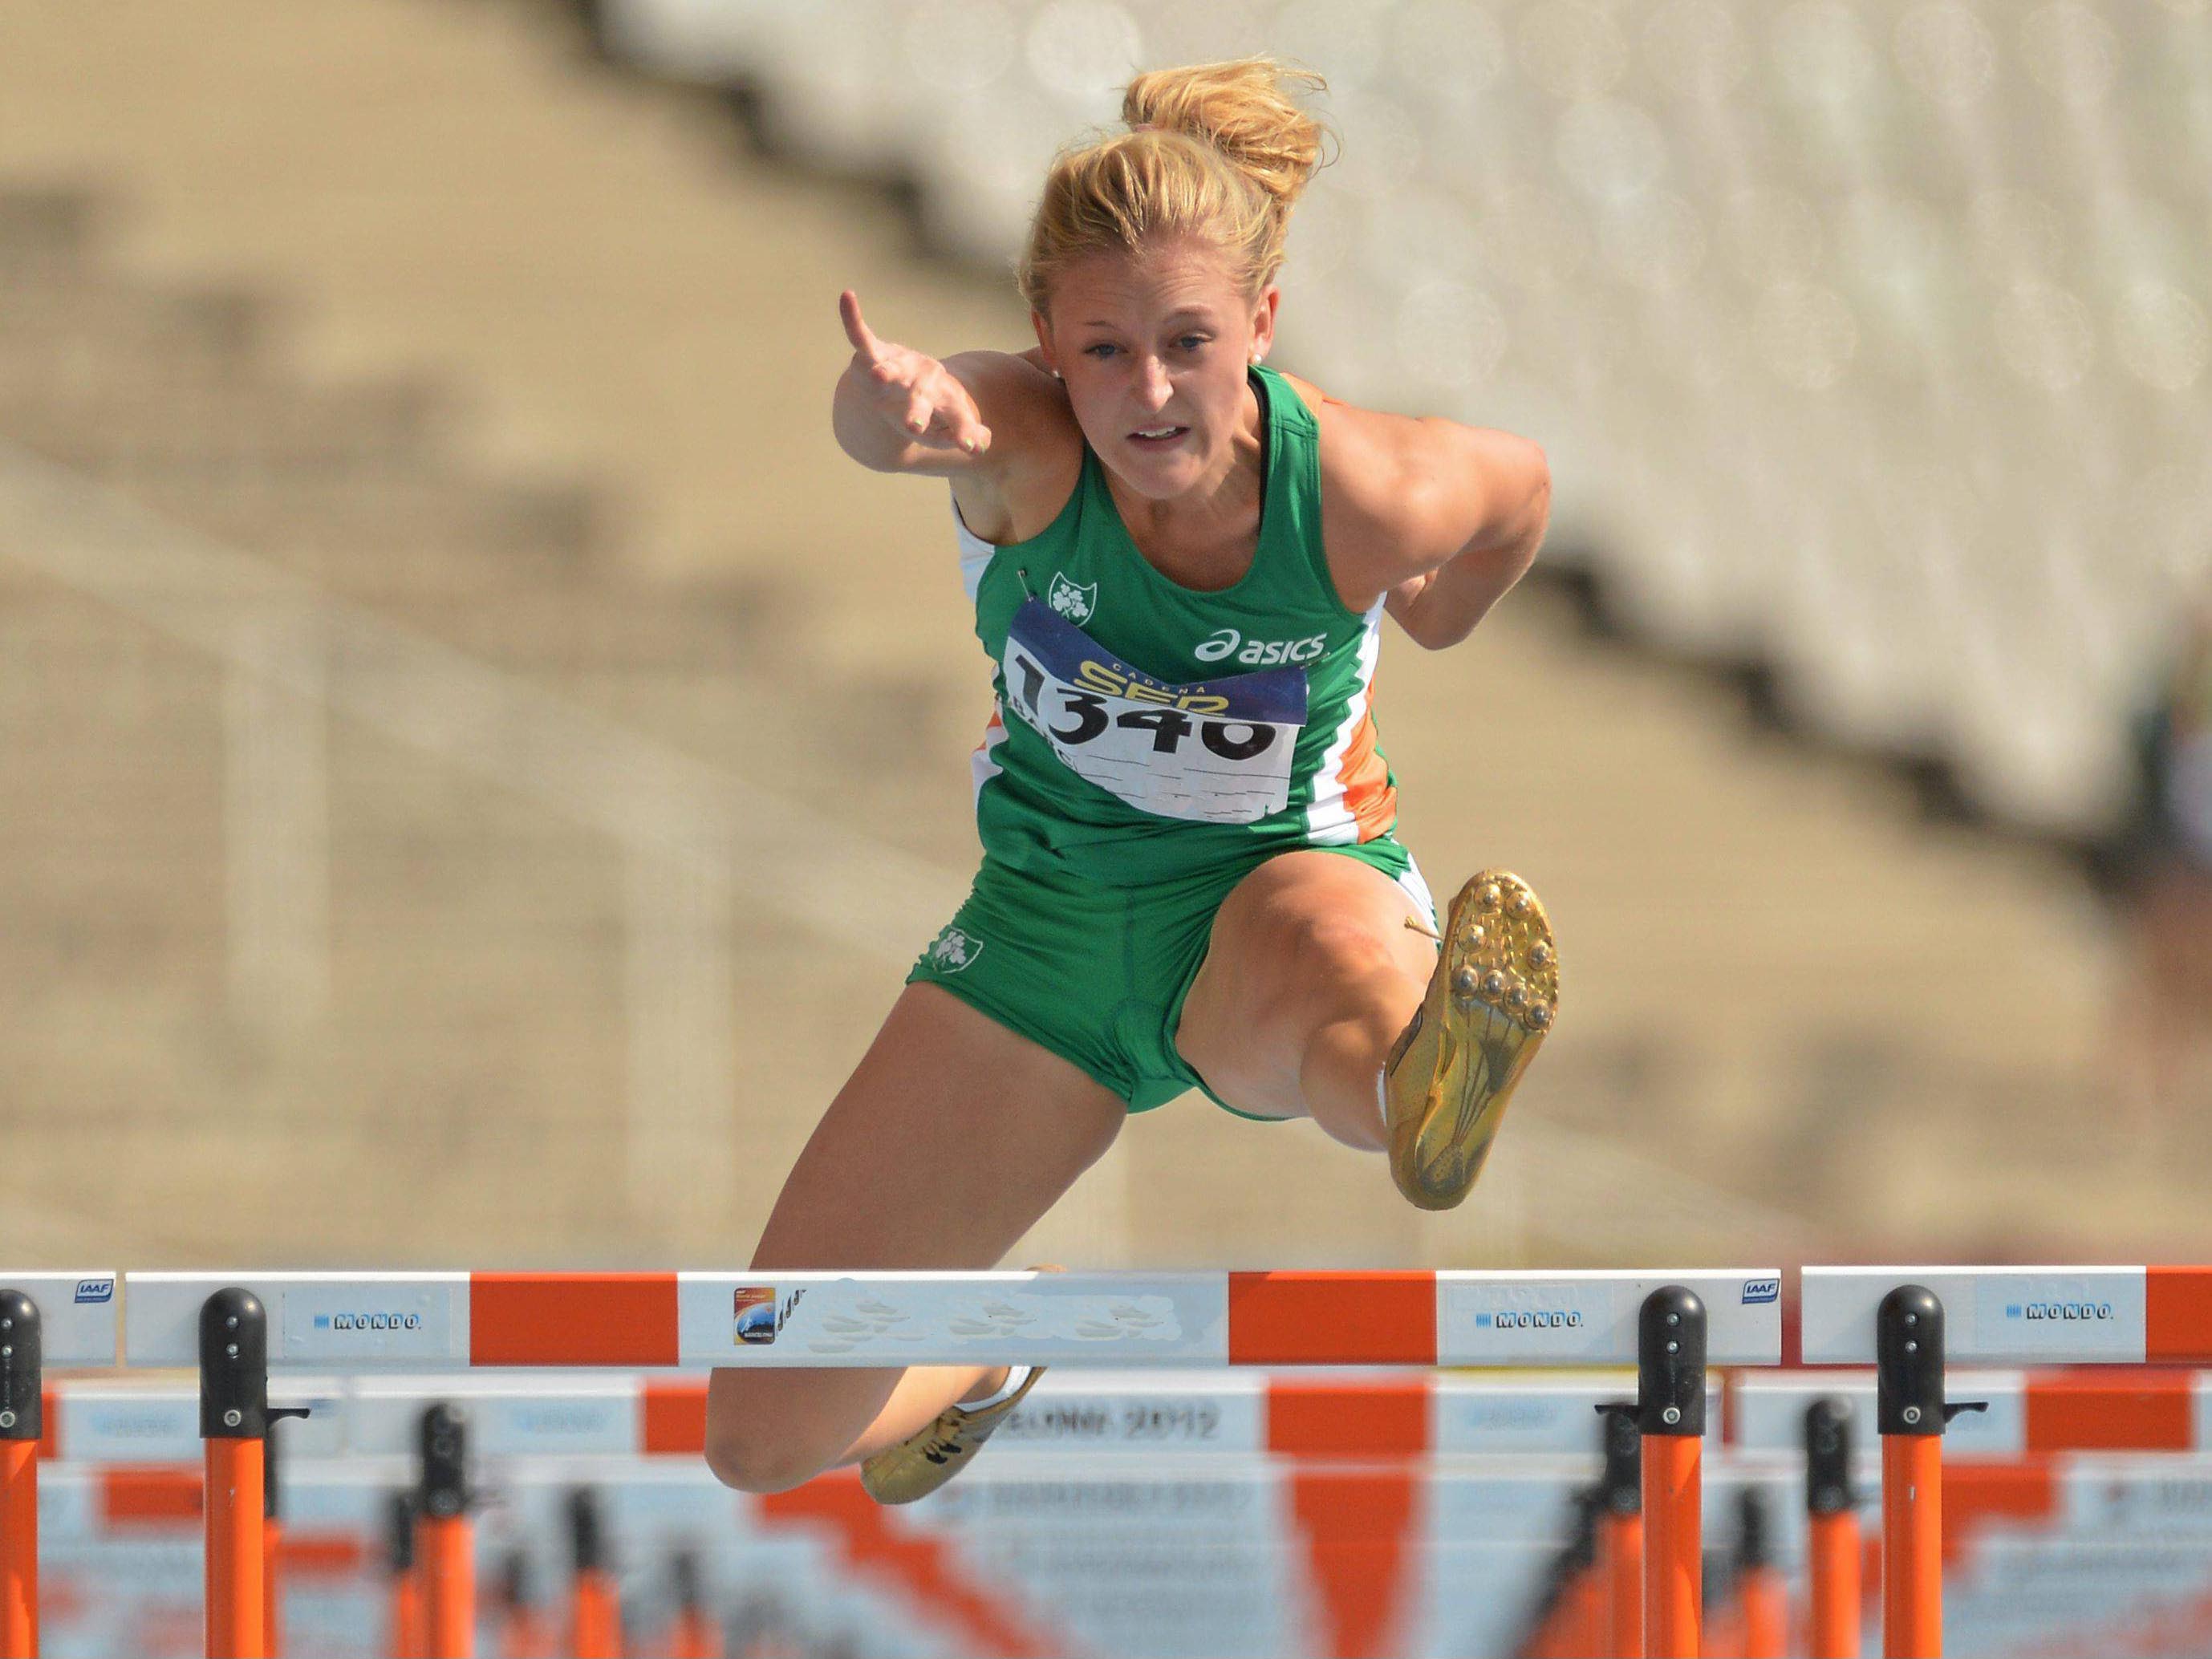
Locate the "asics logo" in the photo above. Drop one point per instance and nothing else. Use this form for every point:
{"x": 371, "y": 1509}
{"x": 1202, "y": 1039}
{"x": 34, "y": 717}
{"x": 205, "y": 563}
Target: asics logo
{"x": 1226, "y": 642}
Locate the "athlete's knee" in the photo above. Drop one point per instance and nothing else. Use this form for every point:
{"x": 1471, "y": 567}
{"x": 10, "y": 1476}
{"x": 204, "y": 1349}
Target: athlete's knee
{"x": 759, "y": 1463}
{"x": 753, "y": 1449}
{"x": 1335, "y": 953}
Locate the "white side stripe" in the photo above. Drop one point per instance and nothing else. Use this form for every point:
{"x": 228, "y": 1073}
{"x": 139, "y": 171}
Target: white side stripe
{"x": 975, "y": 554}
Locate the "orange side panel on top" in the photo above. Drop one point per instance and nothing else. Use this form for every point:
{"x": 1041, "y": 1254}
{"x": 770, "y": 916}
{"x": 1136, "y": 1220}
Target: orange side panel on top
{"x": 1333, "y": 1319}
{"x": 571, "y": 1319}
{"x": 49, "y": 1425}
{"x": 2179, "y": 1308}
{"x": 672, "y": 1418}
{"x": 2135, "y": 1410}
{"x": 1349, "y": 1420}
{"x": 150, "y": 1495}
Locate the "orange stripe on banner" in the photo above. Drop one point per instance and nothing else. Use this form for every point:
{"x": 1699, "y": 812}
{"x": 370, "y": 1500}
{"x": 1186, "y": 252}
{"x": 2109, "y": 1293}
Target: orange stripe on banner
{"x": 1333, "y": 1319}
{"x": 150, "y": 1495}
{"x": 327, "y": 1554}
{"x": 1976, "y": 1492}
{"x": 2179, "y": 1306}
{"x": 1368, "y": 795}
{"x": 1355, "y": 1523}
{"x": 672, "y": 1418}
{"x": 2092, "y": 1411}
{"x": 1348, "y": 1419}
{"x": 571, "y": 1319}
{"x": 50, "y": 1424}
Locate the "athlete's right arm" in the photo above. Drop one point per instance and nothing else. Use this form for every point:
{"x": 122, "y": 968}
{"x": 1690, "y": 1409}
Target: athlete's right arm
{"x": 898, "y": 411}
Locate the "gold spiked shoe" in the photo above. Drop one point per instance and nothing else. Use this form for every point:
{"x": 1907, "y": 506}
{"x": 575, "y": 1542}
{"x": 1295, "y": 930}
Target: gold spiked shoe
{"x": 1491, "y": 999}
{"x": 926, "y": 1459}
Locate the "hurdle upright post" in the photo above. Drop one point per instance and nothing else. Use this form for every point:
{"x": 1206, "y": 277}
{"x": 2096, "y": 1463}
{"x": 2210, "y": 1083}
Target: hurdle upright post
{"x": 402, "y": 1631}
{"x": 1620, "y": 1531}
{"x": 1761, "y": 1591}
{"x": 1832, "y": 1532}
{"x": 233, "y": 1345}
{"x": 22, "y": 1422}
{"x": 445, "y": 1547}
{"x": 693, "y": 1635}
{"x": 1909, "y": 1406}
{"x": 1670, "y": 1402}
{"x": 595, "y": 1607}
{"x": 1583, "y": 1599}
{"x": 272, "y": 1546}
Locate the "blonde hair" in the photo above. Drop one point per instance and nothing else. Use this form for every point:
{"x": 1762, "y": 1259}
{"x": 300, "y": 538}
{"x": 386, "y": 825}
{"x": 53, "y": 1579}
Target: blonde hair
{"x": 1219, "y": 151}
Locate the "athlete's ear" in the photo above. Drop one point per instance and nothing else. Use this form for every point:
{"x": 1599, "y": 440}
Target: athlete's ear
{"x": 1263, "y": 322}
{"x": 1044, "y": 342}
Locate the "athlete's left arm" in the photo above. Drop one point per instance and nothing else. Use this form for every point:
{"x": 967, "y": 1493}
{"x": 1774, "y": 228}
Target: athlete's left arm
{"x": 1484, "y": 496}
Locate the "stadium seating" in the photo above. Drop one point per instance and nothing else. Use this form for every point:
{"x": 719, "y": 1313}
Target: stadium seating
{"x": 1868, "y": 340}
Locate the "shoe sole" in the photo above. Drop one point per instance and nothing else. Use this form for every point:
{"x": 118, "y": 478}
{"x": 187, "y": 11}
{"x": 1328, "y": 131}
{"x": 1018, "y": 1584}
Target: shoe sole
{"x": 1492, "y": 1000}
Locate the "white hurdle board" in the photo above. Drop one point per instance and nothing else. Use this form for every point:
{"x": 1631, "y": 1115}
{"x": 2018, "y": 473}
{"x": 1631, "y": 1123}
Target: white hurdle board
{"x": 364, "y": 1320}
{"x": 1076, "y": 1413}
{"x": 2021, "y": 1315}
{"x": 76, "y": 1315}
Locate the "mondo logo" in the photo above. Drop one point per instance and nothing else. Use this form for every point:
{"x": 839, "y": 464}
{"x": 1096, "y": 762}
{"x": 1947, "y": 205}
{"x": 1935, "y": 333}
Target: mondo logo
{"x": 2098, "y": 1312}
{"x": 1225, "y": 643}
{"x": 1538, "y": 1319}
{"x": 370, "y": 1321}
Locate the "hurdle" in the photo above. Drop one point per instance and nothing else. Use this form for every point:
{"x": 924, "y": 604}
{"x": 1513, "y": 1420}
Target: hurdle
{"x": 1670, "y": 1325}
{"x": 1832, "y": 1532}
{"x": 445, "y": 1542}
{"x": 46, "y": 1319}
{"x": 1912, "y": 1323}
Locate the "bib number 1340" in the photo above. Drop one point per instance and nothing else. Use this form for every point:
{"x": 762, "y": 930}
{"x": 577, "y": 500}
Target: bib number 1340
{"x": 1218, "y": 751}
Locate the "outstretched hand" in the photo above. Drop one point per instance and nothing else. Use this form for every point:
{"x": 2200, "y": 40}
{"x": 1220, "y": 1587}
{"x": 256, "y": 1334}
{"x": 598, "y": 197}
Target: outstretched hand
{"x": 914, "y": 393}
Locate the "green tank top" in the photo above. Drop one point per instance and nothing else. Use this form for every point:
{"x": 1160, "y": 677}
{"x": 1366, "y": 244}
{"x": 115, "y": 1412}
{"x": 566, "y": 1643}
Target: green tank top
{"x": 1144, "y": 730}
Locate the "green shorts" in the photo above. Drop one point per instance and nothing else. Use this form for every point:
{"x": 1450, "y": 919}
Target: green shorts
{"x": 1097, "y": 973}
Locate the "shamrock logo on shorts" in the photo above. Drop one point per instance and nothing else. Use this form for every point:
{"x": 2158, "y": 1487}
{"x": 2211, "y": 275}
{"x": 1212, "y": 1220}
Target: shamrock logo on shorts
{"x": 954, "y": 951}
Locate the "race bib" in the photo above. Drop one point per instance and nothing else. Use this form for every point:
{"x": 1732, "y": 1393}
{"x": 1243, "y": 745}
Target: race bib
{"x": 1219, "y": 752}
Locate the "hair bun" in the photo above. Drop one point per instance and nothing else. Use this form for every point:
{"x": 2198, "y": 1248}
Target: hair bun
{"x": 1243, "y": 108}
{"x": 1217, "y": 150}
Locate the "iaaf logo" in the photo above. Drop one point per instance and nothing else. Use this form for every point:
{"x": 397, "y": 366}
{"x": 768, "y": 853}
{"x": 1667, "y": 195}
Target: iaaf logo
{"x": 369, "y": 1321}
{"x": 1226, "y": 642}
{"x": 93, "y": 1291}
{"x": 1762, "y": 1290}
{"x": 2096, "y": 1312}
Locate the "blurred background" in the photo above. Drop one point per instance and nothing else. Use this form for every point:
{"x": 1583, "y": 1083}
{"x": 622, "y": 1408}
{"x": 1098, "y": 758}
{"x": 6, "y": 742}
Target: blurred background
{"x": 476, "y": 761}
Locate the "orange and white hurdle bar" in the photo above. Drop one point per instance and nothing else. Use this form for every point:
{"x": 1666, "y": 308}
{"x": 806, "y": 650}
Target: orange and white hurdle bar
{"x": 360, "y": 1321}
{"x": 1912, "y": 1323}
{"x": 234, "y": 1327}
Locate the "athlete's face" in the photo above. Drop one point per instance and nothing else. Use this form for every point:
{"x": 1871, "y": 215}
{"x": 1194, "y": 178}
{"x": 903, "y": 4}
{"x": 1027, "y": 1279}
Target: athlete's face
{"x": 1156, "y": 342}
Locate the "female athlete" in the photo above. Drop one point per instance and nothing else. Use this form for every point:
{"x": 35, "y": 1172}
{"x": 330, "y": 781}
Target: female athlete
{"x": 1180, "y": 559}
